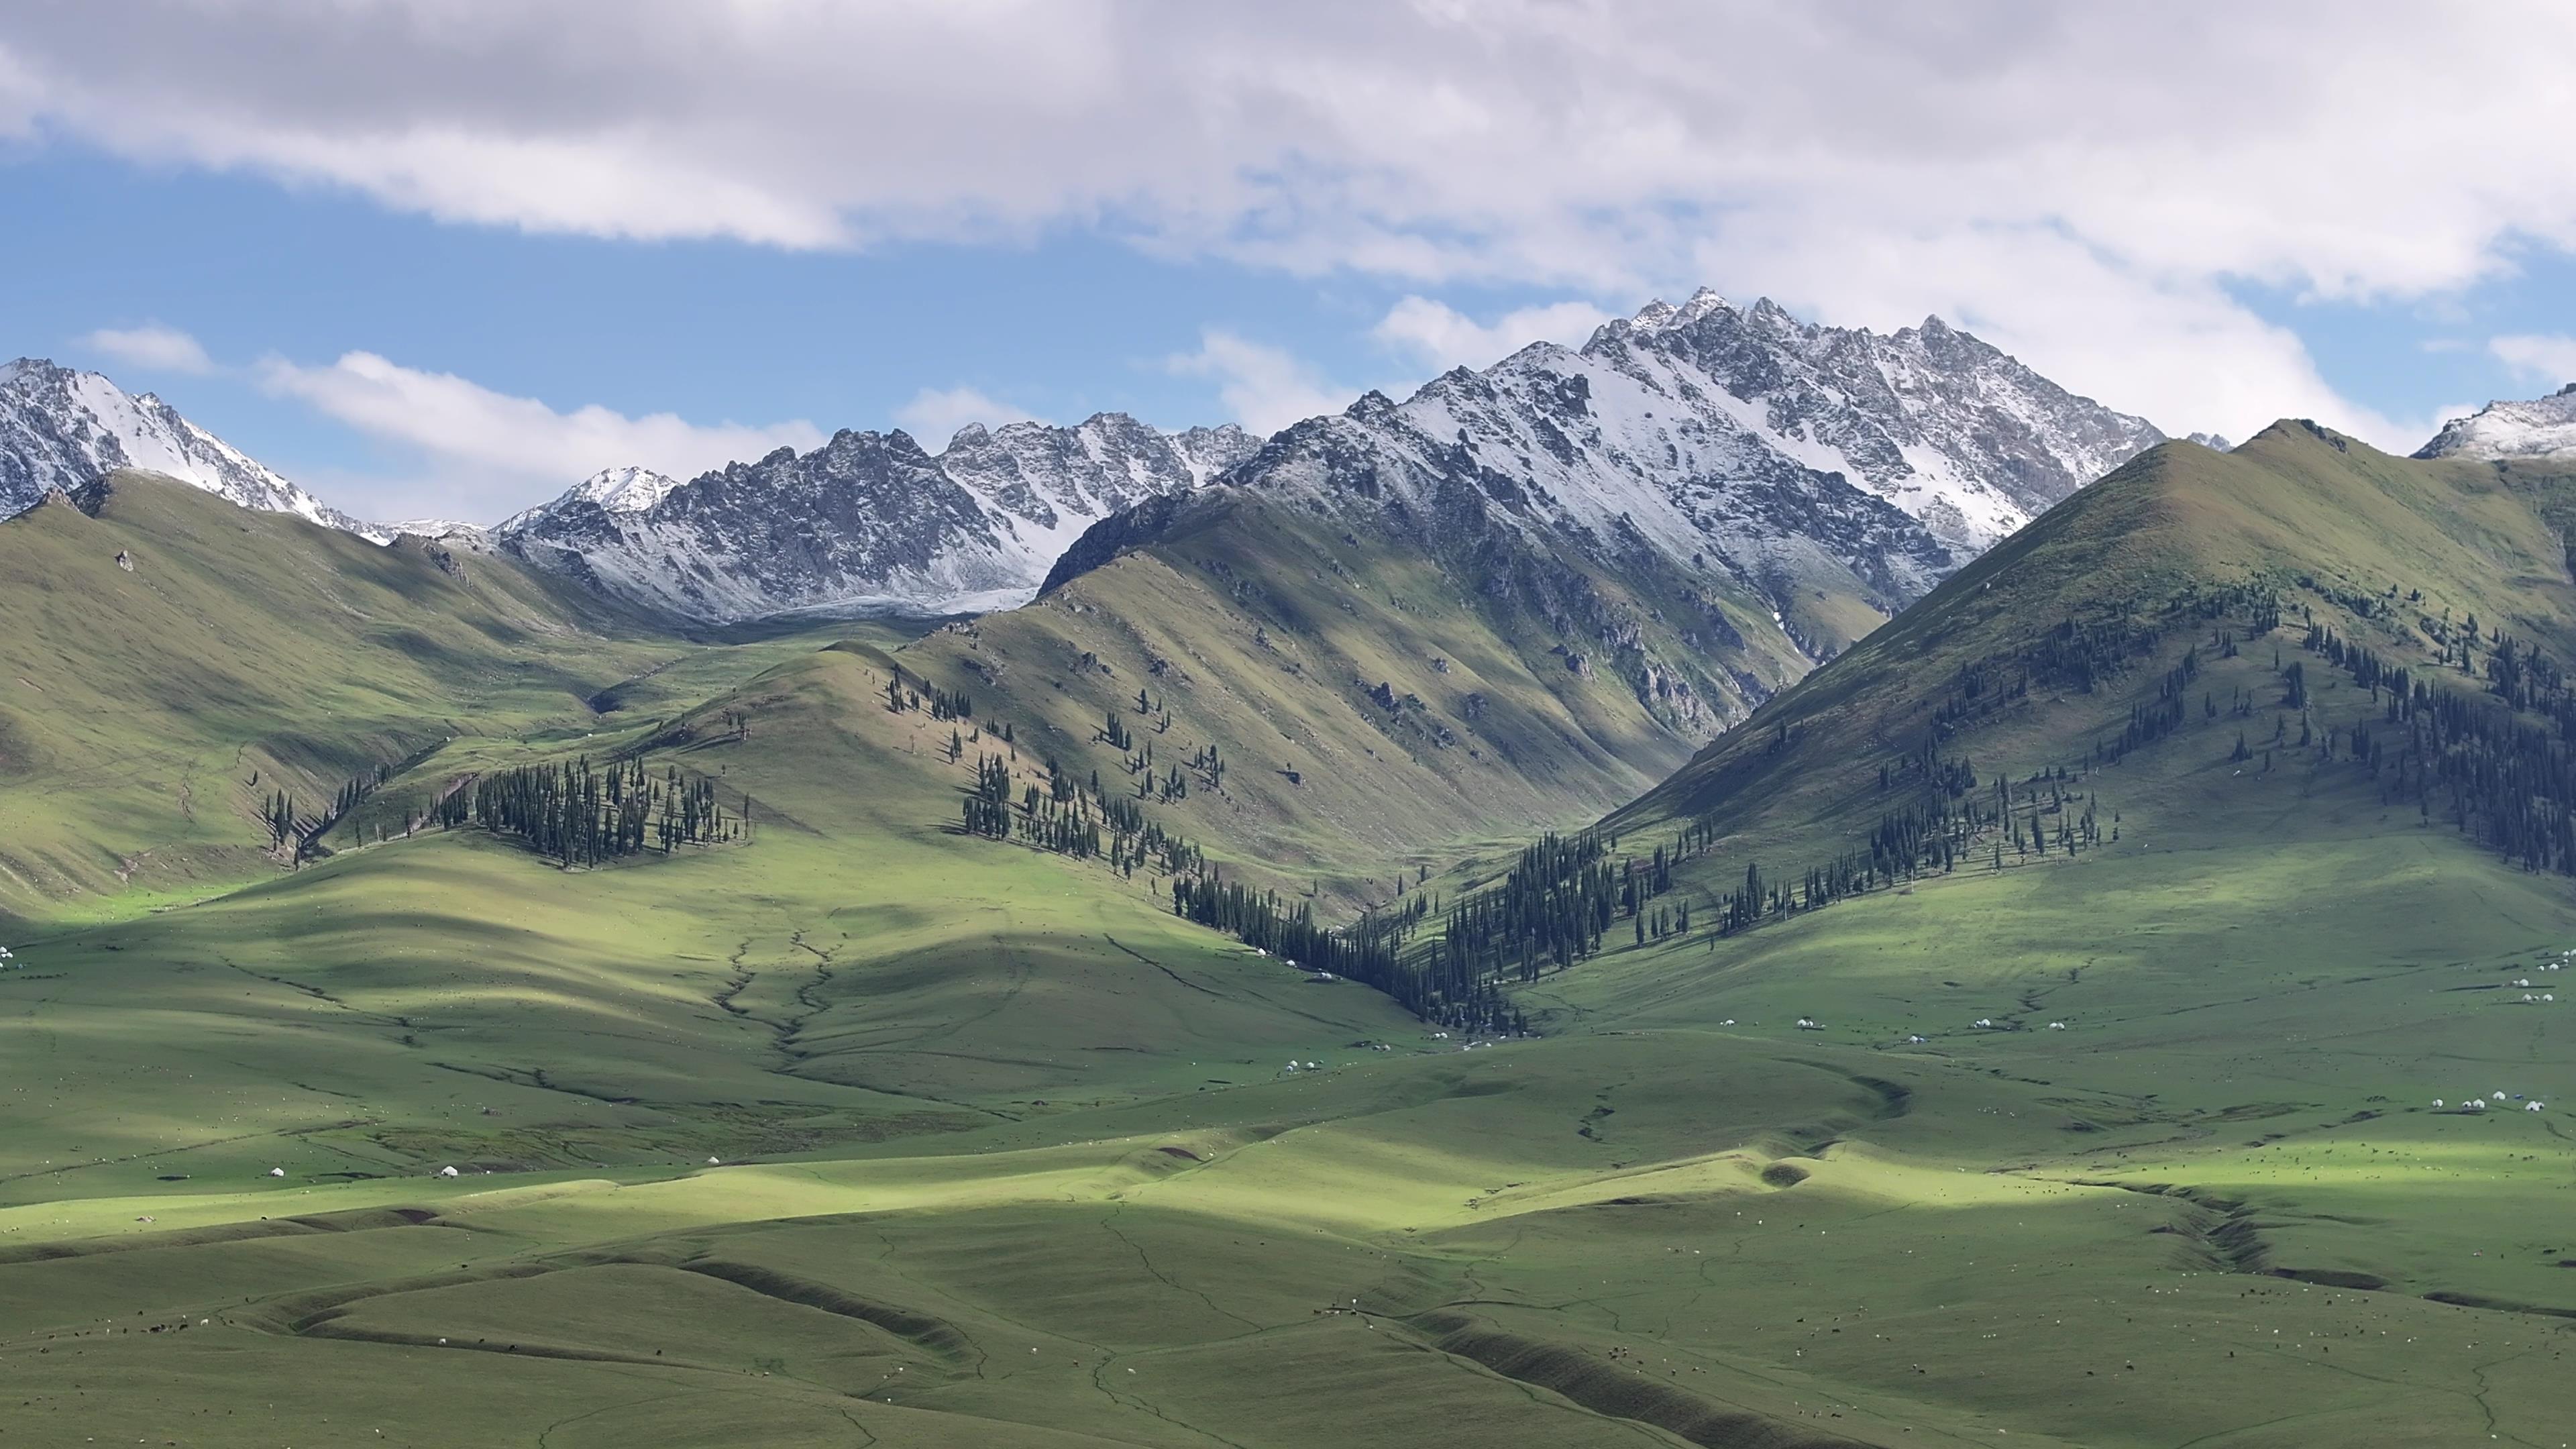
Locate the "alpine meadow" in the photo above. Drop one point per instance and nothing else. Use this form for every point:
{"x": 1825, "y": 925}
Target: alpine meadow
{"x": 1709, "y": 876}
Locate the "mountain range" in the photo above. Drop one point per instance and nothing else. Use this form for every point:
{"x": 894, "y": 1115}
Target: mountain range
{"x": 866, "y": 522}
{"x": 1811, "y": 464}
{"x": 1782, "y": 450}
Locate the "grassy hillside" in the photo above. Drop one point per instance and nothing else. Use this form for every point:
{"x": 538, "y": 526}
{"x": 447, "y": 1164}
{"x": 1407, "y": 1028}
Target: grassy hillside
{"x": 1379, "y": 703}
{"x": 2261, "y": 983}
{"x": 1006, "y": 1154}
{"x": 149, "y": 713}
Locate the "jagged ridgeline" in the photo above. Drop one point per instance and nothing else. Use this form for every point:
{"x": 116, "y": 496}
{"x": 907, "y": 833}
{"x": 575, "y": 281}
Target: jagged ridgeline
{"x": 2302, "y": 639}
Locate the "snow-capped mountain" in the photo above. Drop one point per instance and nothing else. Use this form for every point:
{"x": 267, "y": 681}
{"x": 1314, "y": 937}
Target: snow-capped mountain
{"x": 62, "y": 428}
{"x": 1946, "y": 427}
{"x": 1793, "y": 454}
{"x": 2542, "y": 428}
{"x": 626, "y": 490}
{"x": 867, "y": 521}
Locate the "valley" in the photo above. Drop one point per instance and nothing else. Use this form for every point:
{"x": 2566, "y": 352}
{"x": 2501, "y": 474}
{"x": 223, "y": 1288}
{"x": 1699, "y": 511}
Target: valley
{"x": 2027, "y": 1020}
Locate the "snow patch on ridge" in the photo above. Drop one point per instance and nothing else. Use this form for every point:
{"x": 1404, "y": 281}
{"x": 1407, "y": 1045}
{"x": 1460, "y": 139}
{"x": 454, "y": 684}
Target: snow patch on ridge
{"x": 2541, "y": 428}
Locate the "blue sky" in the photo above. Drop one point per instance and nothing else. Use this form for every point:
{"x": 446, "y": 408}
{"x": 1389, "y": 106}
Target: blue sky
{"x": 447, "y": 256}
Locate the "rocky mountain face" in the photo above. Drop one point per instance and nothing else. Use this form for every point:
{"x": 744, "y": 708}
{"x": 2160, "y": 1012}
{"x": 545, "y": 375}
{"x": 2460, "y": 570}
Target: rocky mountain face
{"x": 868, "y": 521}
{"x": 2542, "y": 428}
{"x": 1808, "y": 465}
{"x": 63, "y": 429}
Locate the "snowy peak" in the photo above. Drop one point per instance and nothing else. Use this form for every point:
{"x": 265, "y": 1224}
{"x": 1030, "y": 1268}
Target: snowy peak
{"x": 625, "y": 490}
{"x": 869, "y": 522}
{"x": 62, "y": 428}
{"x": 1934, "y": 420}
{"x": 2541, "y": 428}
{"x": 1737, "y": 443}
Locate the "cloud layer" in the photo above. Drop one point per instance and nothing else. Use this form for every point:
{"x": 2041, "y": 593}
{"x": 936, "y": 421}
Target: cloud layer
{"x": 153, "y": 348}
{"x": 491, "y": 452}
{"x": 1438, "y": 335}
{"x": 2083, "y": 184}
{"x": 2549, "y": 359}
{"x": 936, "y": 413}
{"x": 1261, "y": 387}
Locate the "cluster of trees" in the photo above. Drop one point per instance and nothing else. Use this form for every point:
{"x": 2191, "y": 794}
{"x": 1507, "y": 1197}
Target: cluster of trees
{"x": 279, "y": 815}
{"x": 1068, "y": 820}
{"x": 2498, "y": 778}
{"x": 578, "y": 814}
{"x": 944, "y": 704}
{"x": 1937, "y": 833}
{"x": 2068, "y": 655}
{"x": 1369, "y": 951}
{"x": 287, "y": 827}
{"x": 1549, "y": 911}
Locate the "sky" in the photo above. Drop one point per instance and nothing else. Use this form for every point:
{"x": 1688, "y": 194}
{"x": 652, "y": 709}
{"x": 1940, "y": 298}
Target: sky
{"x": 444, "y": 258}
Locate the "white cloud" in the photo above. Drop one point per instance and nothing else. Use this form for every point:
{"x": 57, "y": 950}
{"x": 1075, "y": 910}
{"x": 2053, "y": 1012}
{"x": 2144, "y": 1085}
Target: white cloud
{"x": 152, "y": 347}
{"x": 1863, "y": 163}
{"x": 935, "y": 414}
{"x": 1442, "y": 337}
{"x": 488, "y": 451}
{"x": 2547, "y": 359}
{"x": 1263, "y": 388}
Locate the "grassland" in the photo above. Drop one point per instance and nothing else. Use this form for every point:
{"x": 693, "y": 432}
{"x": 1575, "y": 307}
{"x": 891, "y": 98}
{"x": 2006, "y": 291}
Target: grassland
{"x": 1005, "y": 1154}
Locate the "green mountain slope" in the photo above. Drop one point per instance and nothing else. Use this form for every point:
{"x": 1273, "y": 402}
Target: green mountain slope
{"x": 149, "y": 714}
{"x": 1375, "y": 700}
{"x": 2033, "y": 657}
{"x": 2199, "y": 806}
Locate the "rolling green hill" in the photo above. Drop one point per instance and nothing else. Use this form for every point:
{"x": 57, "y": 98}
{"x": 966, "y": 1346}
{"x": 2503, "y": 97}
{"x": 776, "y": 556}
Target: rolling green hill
{"x": 151, "y": 708}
